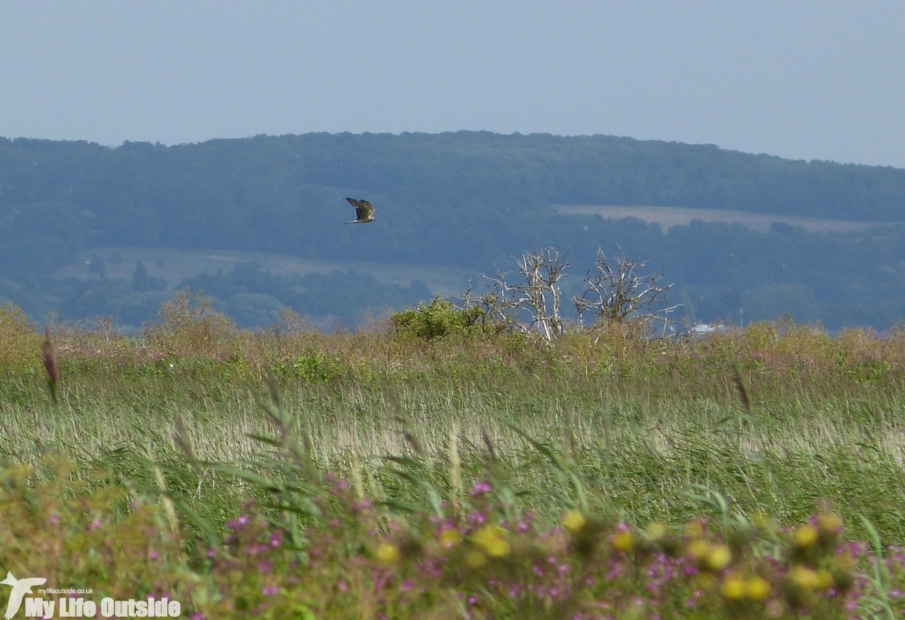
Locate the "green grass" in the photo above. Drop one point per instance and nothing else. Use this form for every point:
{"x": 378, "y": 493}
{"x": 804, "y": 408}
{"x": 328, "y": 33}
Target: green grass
{"x": 630, "y": 430}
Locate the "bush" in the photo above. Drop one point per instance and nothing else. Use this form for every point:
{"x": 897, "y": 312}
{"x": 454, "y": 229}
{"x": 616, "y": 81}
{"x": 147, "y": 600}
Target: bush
{"x": 441, "y": 318}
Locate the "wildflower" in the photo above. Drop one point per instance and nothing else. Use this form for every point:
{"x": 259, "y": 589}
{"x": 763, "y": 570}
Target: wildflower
{"x": 698, "y": 549}
{"x": 656, "y": 531}
{"x": 757, "y": 588}
{"x": 479, "y": 488}
{"x": 475, "y": 559}
{"x": 718, "y": 557}
{"x": 805, "y": 536}
{"x": 449, "y": 538}
{"x": 805, "y": 578}
{"x": 574, "y": 521}
{"x": 694, "y": 529}
{"x": 270, "y": 591}
{"x": 491, "y": 539}
{"x": 734, "y": 588}
{"x": 623, "y": 541}
{"x": 387, "y": 553}
{"x": 824, "y": 579}
{"x": 829, "y": 524}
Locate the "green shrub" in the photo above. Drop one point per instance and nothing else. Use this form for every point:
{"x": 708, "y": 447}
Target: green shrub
{"x": 441, "y": 318}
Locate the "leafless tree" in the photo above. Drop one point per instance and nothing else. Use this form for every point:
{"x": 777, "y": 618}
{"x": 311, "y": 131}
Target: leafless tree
{"x": 618, "y": 290}
{"x": 538, "y": 294}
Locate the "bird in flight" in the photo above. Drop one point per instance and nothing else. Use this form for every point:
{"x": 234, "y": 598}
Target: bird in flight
{"x": 364, "y": 211}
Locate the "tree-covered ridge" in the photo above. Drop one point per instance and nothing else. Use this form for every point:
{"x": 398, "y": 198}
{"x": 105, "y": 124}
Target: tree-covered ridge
{"x": 251, "y": 192}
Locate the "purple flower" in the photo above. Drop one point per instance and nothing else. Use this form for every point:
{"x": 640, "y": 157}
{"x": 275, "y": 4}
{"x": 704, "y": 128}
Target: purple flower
{"x": 479, "y": 488}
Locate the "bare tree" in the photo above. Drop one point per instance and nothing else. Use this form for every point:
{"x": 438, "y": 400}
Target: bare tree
{"x": 618, "y": 290}
{"x": 539, "y": 295}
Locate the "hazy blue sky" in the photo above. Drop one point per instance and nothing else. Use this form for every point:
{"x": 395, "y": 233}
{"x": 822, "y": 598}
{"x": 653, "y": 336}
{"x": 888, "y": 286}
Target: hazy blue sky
{"x": 813, "y": 79}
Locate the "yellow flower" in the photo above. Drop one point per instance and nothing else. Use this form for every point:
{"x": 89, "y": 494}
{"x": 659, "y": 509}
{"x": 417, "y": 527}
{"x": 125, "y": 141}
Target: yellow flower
{"x": 805, "y": 536}
{"x": 694, "y": 529}
{"x": 623, "y": 541}
{"x": 734, "y": 588}
{"x": 497, "y": 548}
{"x": 804, "y": 577}
{"x": 718, "y": 557}
{"x": 829, "y": 524}
{"x": 475, "y": 559}
{"x": 387, "y": 553}
{"x": 574, "y": 521}
{"x": 845, "y": 562}
{"x": 824, "y": 579}
{"x": 698, "y": 549}
{"x": 491, "y": 538}
{"x": 757, "y": 588}
{"x": 656, "y": 531}
{"x": 450, "y": 538}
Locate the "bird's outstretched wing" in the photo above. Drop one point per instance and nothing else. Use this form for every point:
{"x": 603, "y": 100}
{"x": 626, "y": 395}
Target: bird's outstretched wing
{"x": 364, "y": 211}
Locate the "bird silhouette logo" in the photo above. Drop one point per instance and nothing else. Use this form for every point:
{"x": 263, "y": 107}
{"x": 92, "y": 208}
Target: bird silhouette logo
{"x": 364, "y": 211}
{"x": 20, "y": 588}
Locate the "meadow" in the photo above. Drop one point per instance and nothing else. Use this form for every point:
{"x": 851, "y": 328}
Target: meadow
{"x": 454, "y": 473}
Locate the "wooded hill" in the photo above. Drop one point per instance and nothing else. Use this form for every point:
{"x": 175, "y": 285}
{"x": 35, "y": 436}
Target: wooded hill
{"x": 468, "y": 199}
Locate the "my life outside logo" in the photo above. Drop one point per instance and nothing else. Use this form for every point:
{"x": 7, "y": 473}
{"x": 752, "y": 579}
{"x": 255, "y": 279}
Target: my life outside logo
{"x": 72, "y": 607}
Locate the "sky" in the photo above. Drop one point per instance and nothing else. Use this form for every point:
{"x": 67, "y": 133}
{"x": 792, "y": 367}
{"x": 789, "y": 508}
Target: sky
{"x": 805, "y": 79}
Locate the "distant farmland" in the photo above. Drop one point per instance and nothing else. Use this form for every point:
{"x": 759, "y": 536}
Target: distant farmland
{"x": 667, "y": 217}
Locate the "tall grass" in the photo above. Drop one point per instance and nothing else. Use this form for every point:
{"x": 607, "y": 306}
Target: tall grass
{"x": 775, "y": 419}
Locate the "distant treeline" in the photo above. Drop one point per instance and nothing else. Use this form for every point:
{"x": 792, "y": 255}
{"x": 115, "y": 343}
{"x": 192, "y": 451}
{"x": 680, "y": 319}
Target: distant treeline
{"x": 470, "y": 199}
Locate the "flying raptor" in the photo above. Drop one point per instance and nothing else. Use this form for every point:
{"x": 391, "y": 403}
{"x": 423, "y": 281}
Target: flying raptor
{"x": 364, "y": 211}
